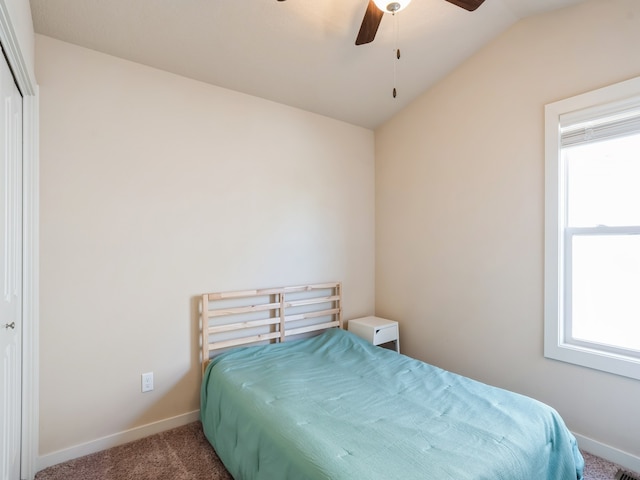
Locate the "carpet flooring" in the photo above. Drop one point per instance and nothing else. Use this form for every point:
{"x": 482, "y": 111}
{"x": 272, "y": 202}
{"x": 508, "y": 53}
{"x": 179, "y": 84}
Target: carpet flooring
{"x": 185, "y": 454}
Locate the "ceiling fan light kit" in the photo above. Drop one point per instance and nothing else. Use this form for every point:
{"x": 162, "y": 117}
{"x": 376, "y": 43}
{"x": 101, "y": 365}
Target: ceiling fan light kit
{"x": 391, "y": 7}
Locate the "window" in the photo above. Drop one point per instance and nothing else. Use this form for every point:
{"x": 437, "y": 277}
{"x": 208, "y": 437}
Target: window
{"x": 592, "y": 229}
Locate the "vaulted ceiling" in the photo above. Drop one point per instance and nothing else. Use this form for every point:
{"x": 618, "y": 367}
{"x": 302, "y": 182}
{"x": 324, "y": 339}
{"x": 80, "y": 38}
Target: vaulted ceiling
{"x": 296, "y": 52}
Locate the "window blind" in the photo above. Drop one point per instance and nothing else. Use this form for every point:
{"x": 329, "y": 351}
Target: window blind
{"x": 614, "y": 125}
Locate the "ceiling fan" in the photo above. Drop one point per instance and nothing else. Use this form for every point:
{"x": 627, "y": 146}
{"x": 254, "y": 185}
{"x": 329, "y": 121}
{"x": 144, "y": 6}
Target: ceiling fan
{"x": 377, "y": 8}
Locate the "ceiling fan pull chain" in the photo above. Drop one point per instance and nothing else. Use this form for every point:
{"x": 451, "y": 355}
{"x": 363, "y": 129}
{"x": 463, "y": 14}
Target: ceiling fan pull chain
{"x": 395, "y": 31}
{"x": 397, "y": 53}
{"x": 394, "y": 77}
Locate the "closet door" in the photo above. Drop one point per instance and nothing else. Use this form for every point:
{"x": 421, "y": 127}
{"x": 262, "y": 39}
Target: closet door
{"x": 10, "y": 273}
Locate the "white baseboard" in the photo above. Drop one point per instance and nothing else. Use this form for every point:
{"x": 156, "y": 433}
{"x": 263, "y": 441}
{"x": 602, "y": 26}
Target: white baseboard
{"x": 116, "y": 439}
{"x": 624, "y": 459}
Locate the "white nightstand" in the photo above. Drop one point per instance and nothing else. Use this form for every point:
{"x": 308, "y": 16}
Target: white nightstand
{"x": 376, "y": 330}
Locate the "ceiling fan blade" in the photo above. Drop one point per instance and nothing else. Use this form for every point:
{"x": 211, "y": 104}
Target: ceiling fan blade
{"x": 370, "y": 24}
{"x": 470, "y": 5}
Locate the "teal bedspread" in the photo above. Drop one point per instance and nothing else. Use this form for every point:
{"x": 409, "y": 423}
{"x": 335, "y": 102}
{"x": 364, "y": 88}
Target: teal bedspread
{"x": 336, "y": 407}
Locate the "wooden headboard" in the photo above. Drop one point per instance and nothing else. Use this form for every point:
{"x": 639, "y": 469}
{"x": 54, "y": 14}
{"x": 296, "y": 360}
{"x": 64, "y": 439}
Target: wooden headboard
{"x": 229, "y": 319}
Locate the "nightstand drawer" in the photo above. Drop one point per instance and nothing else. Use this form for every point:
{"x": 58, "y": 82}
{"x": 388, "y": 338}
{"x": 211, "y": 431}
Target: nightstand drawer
{"x": 387, "y": 333}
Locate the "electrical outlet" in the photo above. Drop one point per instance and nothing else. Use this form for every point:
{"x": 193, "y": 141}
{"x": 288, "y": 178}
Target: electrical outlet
{"x": 147, "y": 382}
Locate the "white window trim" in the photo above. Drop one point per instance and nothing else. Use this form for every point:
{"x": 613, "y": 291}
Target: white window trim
{"x": 602, "y": 101}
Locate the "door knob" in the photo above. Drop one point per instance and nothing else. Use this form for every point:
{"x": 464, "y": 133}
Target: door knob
{"x": 11, "y": 325}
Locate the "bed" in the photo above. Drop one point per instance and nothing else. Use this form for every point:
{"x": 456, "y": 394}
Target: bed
{"x": 332, "y": 406}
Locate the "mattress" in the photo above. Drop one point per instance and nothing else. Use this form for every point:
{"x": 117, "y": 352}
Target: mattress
{"x": 335, "y": 407}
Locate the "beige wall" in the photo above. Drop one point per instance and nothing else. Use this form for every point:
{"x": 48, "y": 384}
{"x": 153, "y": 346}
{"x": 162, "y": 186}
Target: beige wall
{"x": 156, "y": 188}
{"x": 459, "y": 213}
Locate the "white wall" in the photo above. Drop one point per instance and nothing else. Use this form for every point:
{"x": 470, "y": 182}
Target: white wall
{"x": 155, "y": 189}
{"x": 460, "y": 205}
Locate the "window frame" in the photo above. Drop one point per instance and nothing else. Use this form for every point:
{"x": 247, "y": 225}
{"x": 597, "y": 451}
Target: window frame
{"x": 590, "y": 105}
